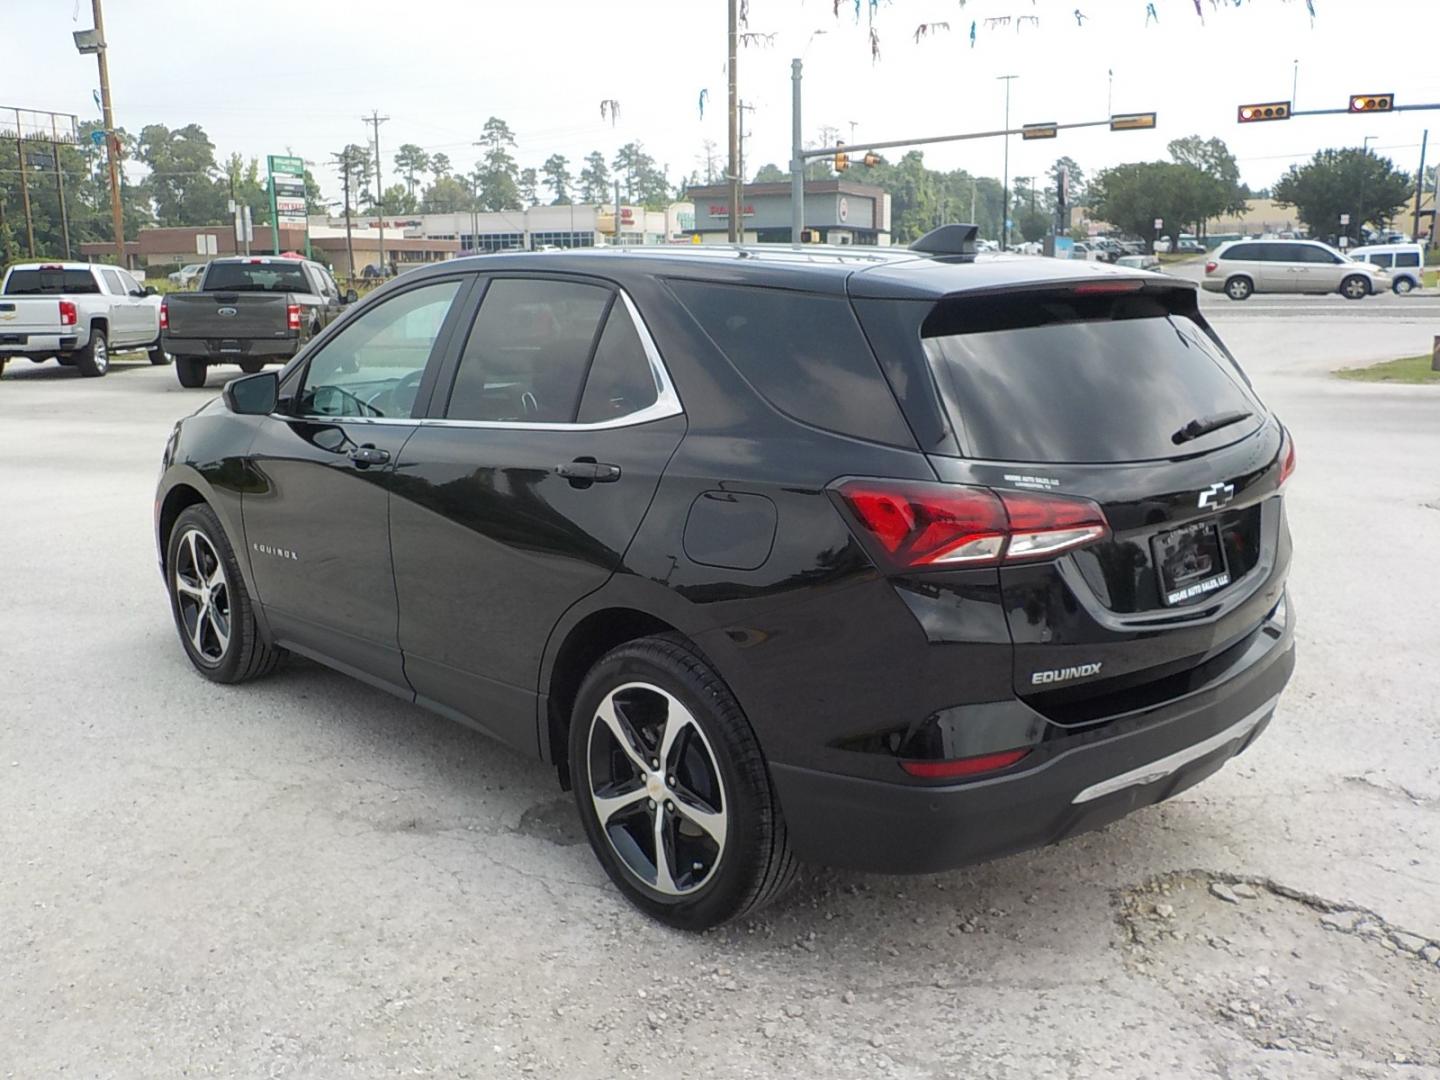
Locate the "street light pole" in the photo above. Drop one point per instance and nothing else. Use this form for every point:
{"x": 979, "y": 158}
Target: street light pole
{"x": 1005, "y": 186}
{"x": 1360, "y": 209}
{"x": 797, "y": 163}
{"x": 734, "y": 105}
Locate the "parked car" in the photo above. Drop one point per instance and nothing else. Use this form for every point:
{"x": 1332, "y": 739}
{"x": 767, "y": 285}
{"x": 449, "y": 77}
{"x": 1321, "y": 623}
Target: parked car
{"x": 78, "y": 313}
{"x": 1140, "y": 262}
{"x": 736, "y": 544}
{"x": 1107, "y": 250}
{"x": 187, "y": 276}
{"x": 250, "y": 310}
{"x": 1243, "y": 267}
{"x": 1405, "y": 262}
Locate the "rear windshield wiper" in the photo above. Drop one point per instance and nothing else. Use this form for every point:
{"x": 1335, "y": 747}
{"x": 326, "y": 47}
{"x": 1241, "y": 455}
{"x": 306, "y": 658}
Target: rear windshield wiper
{"x": 1203, "y": 425}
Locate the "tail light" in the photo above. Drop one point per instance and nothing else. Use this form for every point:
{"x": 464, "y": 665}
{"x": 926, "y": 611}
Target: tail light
{"x": 165, "y": 314}
{"x": 1211, "y": 266}
{"x": 292, "y": 316}
{"x": 914, "y": 525}
{"x": 68, "y": 315}
{"x": 970, "y": 766}
{"x": 1288, "y": 465}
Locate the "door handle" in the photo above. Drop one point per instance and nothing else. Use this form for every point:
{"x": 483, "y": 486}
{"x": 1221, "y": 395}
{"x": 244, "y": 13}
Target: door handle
{"x": 589, "y": 471}
{"x": 367, "y": 455}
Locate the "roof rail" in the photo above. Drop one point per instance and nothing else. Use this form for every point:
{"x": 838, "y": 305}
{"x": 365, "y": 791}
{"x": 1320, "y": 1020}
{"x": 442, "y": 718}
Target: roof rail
{"x": 949, "y": 240}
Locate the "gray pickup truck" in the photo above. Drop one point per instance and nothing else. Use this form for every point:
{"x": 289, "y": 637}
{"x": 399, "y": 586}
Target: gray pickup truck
{"x": 250, "y": 310}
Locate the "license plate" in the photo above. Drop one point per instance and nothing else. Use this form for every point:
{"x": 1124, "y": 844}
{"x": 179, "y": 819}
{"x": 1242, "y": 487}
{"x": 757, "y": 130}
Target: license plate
{"x": 230, "y": 347}
{"x": 1191, "y": 562}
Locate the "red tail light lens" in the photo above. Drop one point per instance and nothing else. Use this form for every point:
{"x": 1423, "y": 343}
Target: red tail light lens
{"x": 910, "y": 525}
{"x": 1288, "y": 465}
{"x": 68, "y": 315}
{"x": 292, "y": 316}
{"x": 1211, "y": 266}
{"x": 164, "y": 314}
{"x": 970, "y": 766}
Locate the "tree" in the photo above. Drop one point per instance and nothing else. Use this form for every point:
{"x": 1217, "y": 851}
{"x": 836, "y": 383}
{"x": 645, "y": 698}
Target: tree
{"x": 528, "y": 185}
{"x": 1076, "y": 182}
{"x": 1213, "y": 159}
{"x": 353, "y": 165}
{"x": 496, "y": 174}
{"x": 446, "y": 196}
{"x": 770, "y": 173}
{"x": 411, "y": 160}
{"x": 558, "y": 178}
{"x": 243, "y": 184}
{"x": 1133, "y": 196}
{"x": 397, "y": 200}
{"x": 1335, "y": 182}
{"x": 595, "y": 179}
{"x": 440, "y": 165}
{"x": 182, "y": 181}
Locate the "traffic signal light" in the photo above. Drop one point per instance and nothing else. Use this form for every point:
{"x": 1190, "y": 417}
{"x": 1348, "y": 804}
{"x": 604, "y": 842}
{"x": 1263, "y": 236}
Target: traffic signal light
{"x": 842, "y": 159}
{"x": 1270, "y": 110}
{"x": 1372, "y": 102}
{"x": 871, "y": 160}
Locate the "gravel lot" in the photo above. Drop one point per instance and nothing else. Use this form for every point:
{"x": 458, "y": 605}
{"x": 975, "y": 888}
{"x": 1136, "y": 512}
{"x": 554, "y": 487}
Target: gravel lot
{"x": 306, "y": 878}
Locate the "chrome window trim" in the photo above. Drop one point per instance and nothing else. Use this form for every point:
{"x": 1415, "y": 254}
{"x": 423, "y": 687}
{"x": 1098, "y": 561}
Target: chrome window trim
{"x": 667, "y": 402}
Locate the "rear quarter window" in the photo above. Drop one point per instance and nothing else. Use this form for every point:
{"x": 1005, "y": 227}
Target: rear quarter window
{"x": 803, "y": 353}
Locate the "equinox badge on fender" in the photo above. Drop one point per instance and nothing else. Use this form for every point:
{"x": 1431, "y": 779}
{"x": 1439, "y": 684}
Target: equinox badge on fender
{"x": 1065, "y": 674}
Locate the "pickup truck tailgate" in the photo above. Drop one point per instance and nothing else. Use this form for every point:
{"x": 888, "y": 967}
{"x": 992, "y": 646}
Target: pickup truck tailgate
{"x": 21, "y": 316}
{"x": 222, "y": 315}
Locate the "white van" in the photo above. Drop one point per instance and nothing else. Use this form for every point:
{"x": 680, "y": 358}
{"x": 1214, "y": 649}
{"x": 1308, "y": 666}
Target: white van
{"x": 1406, "y": 263}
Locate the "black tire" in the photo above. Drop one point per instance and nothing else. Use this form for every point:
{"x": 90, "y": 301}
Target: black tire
{"x": 191, "y": 370}
{"x": 1403, "y": 286}
{"x": 251, "y": 367}
{"x": 1354, "y": 287}
{"x": 721, "y": 766}
{"x": 221, "y": 637}
{"x": 1239, "y": 288}
{"x": 94, "y": 360}
{"x": 157, "y": 354}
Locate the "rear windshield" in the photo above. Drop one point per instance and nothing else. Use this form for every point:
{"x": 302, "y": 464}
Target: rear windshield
{"x": 1070, "y": 379}
{"x": 256, "y": 277}
{"x": 49, "y": 282}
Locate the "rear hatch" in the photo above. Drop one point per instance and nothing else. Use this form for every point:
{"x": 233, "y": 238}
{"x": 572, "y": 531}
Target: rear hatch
{"x": 31, "y": 303}
{"x": 228, "y": 315}
{"x": 1116, "y": 392}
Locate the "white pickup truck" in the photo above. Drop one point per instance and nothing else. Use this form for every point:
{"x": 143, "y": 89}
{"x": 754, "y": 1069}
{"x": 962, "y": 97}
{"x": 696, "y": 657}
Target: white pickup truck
{"x": 78, "y": 313}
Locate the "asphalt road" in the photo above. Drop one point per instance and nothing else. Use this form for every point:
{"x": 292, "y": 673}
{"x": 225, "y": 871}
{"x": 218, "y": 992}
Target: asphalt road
{"x": 306, "y": 878}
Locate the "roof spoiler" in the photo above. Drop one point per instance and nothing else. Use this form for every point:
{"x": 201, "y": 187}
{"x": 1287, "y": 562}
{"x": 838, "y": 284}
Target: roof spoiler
{"x": 951, "y": 240}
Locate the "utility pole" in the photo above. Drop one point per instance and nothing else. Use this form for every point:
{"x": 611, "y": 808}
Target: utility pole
{"x": 24, "y": 186}
{"x": 797, "y": 162}
{"x": 1005, "y": 186}
{"x": 1420, "y": 186}
{"x": 734, "y": 106}
{"x": 344, "y": 162}
{"x": 743, "y": 107}
{"x": 112, "y": 141}
{"x": 617, "y": 212}
{"x": 375, "y": 120}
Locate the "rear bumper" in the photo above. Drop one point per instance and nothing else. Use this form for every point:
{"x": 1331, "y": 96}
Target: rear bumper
{"x": 24, "y": 344}
{"x": 1078, "y": 783}
{"x": 232, "y": 350}
{"x": 1212, "y": 284}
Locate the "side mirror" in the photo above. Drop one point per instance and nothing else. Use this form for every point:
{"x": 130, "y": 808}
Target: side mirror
{"x": 350, "y": 296}
{"x": 150, "y": 290}
{"x": 253, "y": 395}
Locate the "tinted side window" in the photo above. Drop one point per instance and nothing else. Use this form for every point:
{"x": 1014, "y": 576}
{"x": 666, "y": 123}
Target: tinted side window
{"x": 803, "y": 353}
{"x": 620, "y": 380}
{"x": 373, "y": 366}
{"x": 1244, "y": 252}
{"x": 528, "y": 351}
{"x": 131, "y": 285}
{"x": 1309, "y": 253}
{"x": 1407, "y": 258}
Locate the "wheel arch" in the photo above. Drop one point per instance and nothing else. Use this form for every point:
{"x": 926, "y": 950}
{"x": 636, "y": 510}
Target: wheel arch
{"x": 184, "y": 486}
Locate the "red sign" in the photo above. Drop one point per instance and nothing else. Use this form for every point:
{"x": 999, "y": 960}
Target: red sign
{"x": 721, "y": 210}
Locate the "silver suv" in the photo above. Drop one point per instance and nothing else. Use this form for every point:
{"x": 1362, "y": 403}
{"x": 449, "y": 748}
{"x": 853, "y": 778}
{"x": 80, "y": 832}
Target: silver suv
{"x": 1242, "y": 267}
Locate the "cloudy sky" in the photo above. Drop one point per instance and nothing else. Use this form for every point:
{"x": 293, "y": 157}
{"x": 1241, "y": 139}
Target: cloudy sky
{"x": 264, "y": 76}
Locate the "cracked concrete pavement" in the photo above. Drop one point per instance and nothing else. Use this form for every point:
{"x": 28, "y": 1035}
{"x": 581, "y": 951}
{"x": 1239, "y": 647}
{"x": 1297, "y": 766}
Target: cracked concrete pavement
{"x": 306, "y": 878}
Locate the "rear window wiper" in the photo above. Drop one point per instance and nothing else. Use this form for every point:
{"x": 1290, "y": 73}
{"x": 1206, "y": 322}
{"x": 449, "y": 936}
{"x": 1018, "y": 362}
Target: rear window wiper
{"x": 1203, "y": 425}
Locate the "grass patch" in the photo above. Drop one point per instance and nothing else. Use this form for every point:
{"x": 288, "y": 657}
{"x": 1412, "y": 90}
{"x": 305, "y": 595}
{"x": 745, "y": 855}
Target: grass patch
{"x": 1410, "y": 369}
{"x": 1432, "y": 278}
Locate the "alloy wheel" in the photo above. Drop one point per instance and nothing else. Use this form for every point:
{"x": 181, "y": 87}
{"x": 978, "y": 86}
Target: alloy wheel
{"x": 1355, "y": 288}
{"x": 202, "y": 596}
{"x": 656, "y": 789}
{"x": 1403, "y": 286}
{"x": 100, "y": 353}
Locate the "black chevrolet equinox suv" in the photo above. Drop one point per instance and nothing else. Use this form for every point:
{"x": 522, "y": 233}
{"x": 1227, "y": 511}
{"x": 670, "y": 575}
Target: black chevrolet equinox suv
{"x": 877, "y": 558}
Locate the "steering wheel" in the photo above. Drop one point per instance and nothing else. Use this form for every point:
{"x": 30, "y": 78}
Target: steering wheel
{"x": 401, "y": 404}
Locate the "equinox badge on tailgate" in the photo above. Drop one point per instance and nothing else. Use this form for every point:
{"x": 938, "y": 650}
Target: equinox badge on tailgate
{"x": 1065, "y": 674}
